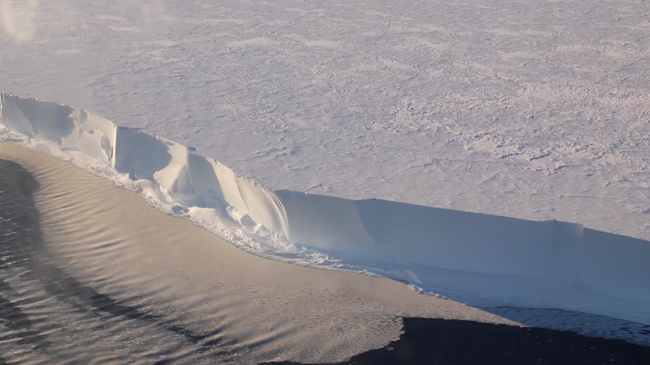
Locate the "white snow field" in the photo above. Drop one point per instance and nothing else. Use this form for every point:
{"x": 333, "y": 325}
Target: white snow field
{"x": 475, "y": 258}
{"x": 534, "y": 110}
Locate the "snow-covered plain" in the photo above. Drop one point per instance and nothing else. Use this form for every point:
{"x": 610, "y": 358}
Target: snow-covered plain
{"x": 524, "y": 109}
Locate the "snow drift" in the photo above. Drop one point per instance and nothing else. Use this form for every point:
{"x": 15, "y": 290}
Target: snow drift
{"x": 475, "y": 258}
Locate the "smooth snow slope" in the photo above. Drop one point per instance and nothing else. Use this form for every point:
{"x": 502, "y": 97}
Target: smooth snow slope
{"x": 475, "y": 258}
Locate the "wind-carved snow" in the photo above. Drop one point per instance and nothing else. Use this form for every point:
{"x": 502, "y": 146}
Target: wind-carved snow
{"x": 476, "y": 258}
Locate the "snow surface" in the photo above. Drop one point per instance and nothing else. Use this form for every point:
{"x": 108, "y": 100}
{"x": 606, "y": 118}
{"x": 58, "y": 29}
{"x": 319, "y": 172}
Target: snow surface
{"x": 532, "y": 109}
{"x": 475, "y": 258}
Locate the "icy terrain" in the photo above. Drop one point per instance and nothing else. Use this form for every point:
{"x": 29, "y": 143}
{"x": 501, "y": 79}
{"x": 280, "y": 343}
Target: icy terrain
{"x": 535, "y": 110}
{"x": 475, "y": 258}
{"x": 524, "y": 109}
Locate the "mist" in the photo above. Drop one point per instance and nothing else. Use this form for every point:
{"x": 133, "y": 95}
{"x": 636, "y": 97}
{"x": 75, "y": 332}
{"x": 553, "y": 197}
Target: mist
{"x": 19, "y": 19}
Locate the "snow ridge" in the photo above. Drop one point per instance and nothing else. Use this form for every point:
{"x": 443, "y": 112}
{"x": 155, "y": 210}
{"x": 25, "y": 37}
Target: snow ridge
{"x": 475, "y": 258}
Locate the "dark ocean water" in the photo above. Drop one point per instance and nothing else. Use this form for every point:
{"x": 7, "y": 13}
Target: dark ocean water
{"x": 452, "y": 342}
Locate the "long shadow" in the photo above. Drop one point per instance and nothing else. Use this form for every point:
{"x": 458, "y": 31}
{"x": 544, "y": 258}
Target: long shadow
{"x": 456, "y": 342}
{"x": 22, "y": 247}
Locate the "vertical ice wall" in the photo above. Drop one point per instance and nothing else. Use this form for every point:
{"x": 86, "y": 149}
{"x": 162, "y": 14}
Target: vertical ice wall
{"x": 471, "y": 257}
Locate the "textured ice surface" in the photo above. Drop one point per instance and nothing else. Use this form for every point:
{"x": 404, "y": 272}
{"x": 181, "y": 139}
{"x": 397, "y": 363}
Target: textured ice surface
{"x": 532, "y": 110}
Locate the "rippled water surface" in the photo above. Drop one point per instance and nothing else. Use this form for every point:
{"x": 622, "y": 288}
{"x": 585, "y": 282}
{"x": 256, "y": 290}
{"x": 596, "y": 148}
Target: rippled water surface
{"x": 49, "y": 316}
